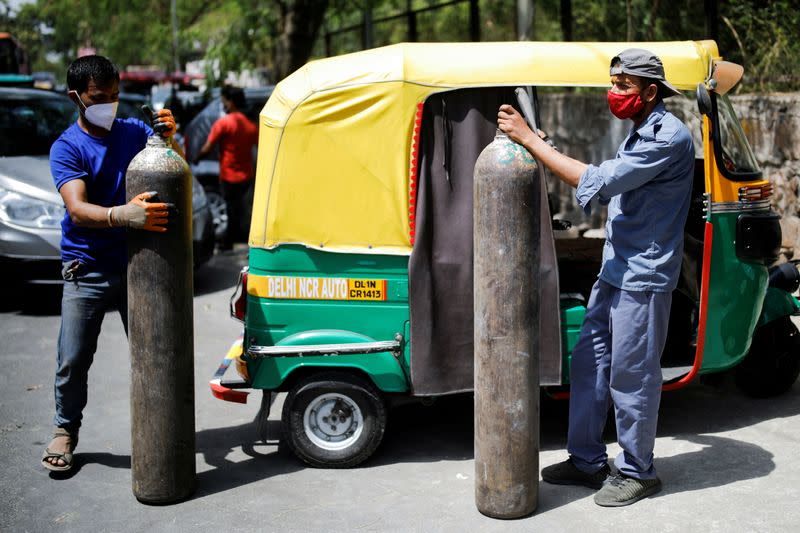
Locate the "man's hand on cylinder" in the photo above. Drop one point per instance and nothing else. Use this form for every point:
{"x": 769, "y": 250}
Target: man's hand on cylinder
{"x": 141, "y": 214}
{"x": 513, "y": 124}
{"x": 164, "y": 123}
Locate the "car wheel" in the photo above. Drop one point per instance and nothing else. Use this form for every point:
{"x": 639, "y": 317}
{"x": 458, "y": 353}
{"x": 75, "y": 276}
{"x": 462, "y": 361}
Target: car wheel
{"x": 219, "y": 213}
{"x": 333, "y": 420}
{"x": 773, "y": 363}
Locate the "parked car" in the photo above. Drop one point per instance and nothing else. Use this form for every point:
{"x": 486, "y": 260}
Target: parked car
{"x": 31, "y": 209}
{"x": 207, "y": 170}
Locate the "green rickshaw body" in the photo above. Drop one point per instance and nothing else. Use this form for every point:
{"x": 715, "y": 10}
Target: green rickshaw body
{"x": 734, "y": 311}
{"x": 736, "y": 297}
{"x": 308, "y": 322}
{"x": 286, "y": 322}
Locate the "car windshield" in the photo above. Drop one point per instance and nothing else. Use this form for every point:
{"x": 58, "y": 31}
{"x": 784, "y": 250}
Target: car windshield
{"x": 737, "y": 156}
{"x": 29, "y": 125}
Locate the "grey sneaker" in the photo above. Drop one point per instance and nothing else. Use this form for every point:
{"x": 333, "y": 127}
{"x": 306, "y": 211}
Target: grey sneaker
{"x": 622, "y": 490}
{"x": 566, "y": 473}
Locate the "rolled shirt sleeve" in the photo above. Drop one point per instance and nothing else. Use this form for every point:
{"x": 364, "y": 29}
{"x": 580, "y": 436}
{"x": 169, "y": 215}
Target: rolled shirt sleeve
{"x": 631, "y": 168}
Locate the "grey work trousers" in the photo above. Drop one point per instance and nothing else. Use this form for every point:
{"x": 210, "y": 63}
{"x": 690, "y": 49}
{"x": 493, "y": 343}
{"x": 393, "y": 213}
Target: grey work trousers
{"x": 617, "y": 361}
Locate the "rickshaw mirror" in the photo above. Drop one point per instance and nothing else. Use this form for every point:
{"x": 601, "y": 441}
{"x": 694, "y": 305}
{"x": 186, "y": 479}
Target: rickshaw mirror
{"x": 703, "y": 99}
{"x": 726, "y": 75}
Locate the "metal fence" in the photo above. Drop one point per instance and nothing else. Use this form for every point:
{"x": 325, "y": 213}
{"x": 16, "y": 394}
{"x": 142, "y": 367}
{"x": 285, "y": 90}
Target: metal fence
{"x": 371, "y": 32}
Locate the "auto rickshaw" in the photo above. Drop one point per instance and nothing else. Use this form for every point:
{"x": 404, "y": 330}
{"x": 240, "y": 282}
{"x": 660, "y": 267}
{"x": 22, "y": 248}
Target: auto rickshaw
{"x": 358, "y": 290}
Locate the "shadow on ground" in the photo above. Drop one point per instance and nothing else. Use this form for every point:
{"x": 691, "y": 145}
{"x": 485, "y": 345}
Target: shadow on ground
{"x": 216, "y": 444}
{"x": 444, "y": 432}
{"x": 101, "y": 458}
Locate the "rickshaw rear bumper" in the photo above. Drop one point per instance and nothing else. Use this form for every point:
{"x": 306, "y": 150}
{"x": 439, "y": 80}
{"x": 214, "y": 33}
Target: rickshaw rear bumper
{"x": 229, "y": 390}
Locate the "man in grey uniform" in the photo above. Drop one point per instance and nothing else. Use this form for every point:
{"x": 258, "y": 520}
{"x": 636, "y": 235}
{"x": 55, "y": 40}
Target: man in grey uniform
{"x": 647, "y": 188}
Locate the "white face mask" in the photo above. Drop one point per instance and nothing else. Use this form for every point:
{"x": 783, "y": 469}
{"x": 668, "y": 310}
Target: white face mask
{"x": 101, "y": 115}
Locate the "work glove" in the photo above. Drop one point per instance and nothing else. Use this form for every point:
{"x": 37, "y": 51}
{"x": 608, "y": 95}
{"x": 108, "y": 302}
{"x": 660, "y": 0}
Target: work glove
{"x": 140, "y": 214}
{"x": 164, "y": 123}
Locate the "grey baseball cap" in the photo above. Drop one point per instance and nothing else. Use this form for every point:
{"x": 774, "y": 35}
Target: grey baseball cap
{"x": 644, "y": 63}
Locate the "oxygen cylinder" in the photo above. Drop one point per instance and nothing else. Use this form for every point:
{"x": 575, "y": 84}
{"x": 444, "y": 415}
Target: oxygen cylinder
{"x": 160, "y": 331}
{"x": 506, "y": 198}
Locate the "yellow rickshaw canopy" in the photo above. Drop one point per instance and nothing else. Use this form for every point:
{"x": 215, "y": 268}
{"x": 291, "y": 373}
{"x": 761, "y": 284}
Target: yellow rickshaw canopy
{"x": 335, "y": 157}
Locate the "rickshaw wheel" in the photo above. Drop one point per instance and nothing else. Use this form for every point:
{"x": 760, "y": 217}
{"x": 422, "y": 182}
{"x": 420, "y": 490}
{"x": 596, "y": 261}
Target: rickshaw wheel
{"x": 333, "y": 420}
{"x": 773, "y": 363}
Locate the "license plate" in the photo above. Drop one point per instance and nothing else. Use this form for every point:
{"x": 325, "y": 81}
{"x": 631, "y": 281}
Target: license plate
{"x": 316, "y": 288}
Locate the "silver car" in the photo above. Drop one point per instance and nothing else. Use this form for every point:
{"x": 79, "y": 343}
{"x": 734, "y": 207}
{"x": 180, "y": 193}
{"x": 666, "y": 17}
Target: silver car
{"x": 31, "y": 209}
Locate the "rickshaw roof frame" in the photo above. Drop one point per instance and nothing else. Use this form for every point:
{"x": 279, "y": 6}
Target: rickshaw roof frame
{"x": 330, "y": 113}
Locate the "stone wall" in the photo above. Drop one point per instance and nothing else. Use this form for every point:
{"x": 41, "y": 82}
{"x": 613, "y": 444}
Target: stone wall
{"x": 582, "y": 127}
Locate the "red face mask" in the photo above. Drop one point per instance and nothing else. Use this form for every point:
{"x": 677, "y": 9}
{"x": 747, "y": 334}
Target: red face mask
{"x": 624, "y": 106}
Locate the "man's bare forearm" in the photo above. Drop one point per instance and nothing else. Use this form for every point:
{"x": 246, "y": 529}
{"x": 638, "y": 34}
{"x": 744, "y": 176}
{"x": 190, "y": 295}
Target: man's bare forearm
{"x": 512, "y": 124}
{"x": 88, "y": 215}
{"x": 567, "y": 169}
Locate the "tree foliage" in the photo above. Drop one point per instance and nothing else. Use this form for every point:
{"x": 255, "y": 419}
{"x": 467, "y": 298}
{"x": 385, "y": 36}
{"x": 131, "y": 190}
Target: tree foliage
{"x": 282, "y": 34}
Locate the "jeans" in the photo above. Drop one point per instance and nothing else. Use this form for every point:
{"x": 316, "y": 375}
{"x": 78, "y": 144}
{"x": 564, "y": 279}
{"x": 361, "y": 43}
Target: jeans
{"x": 87, "y": 296}
{"x": 617, "y": 360}
{"x": 238, "y": 197}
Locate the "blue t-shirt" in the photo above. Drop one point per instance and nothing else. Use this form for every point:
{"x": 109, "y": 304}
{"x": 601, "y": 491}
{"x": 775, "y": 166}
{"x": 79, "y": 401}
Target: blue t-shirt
{"x": 101, "y": 163}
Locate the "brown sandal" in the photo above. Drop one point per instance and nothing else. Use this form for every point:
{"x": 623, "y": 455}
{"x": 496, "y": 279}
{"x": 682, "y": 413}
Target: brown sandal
{"x": 65, "y": 456}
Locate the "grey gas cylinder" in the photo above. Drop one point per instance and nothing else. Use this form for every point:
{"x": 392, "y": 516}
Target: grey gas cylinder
{"x": 160, "y": 331}
{"x": 506, "y": 265}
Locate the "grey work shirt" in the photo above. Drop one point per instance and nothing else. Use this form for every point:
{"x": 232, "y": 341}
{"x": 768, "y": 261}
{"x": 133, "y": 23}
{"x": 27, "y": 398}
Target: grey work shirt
{"x": 647, "y": 188}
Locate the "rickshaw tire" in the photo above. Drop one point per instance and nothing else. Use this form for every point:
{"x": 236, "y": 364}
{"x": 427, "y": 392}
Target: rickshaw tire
{"x": 772, "y": 365}
{"x": 359, "y": 390}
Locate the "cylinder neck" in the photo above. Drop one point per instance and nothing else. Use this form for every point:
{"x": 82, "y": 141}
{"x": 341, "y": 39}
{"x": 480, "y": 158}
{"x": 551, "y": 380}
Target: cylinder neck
{"x": 157, "y": 140}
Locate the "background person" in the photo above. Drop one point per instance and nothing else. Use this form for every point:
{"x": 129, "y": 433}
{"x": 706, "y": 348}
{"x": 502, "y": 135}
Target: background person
{"x": 88, "y": 163}
{"x": 236, "y": 136}
{"x": 647, "y": 188}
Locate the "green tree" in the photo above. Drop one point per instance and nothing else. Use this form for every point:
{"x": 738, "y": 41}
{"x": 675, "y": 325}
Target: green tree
{"x": 283, "y": 34}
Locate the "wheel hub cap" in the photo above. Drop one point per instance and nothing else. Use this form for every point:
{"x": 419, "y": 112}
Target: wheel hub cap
{"x": 333, "y": 421}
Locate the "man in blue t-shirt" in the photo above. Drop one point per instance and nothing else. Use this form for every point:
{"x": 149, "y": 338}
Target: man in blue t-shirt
{"x": 88, "y": 163}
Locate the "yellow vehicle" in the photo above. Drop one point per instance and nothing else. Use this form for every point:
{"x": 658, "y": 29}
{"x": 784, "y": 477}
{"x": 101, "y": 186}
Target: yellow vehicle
{"x": 359, "y": 284}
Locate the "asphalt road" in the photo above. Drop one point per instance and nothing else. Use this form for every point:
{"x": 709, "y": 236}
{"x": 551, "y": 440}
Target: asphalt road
{"x": 728, "y": 462}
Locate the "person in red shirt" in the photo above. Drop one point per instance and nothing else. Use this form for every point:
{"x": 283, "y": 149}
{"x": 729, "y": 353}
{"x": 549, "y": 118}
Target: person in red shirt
{"x": 236, "y": 136}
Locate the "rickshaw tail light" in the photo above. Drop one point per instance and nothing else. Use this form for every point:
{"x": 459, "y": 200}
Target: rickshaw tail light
{"x": 241, "y": 369}
{"x": 755, "y": 193}
{"x": 240, "y": 303}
